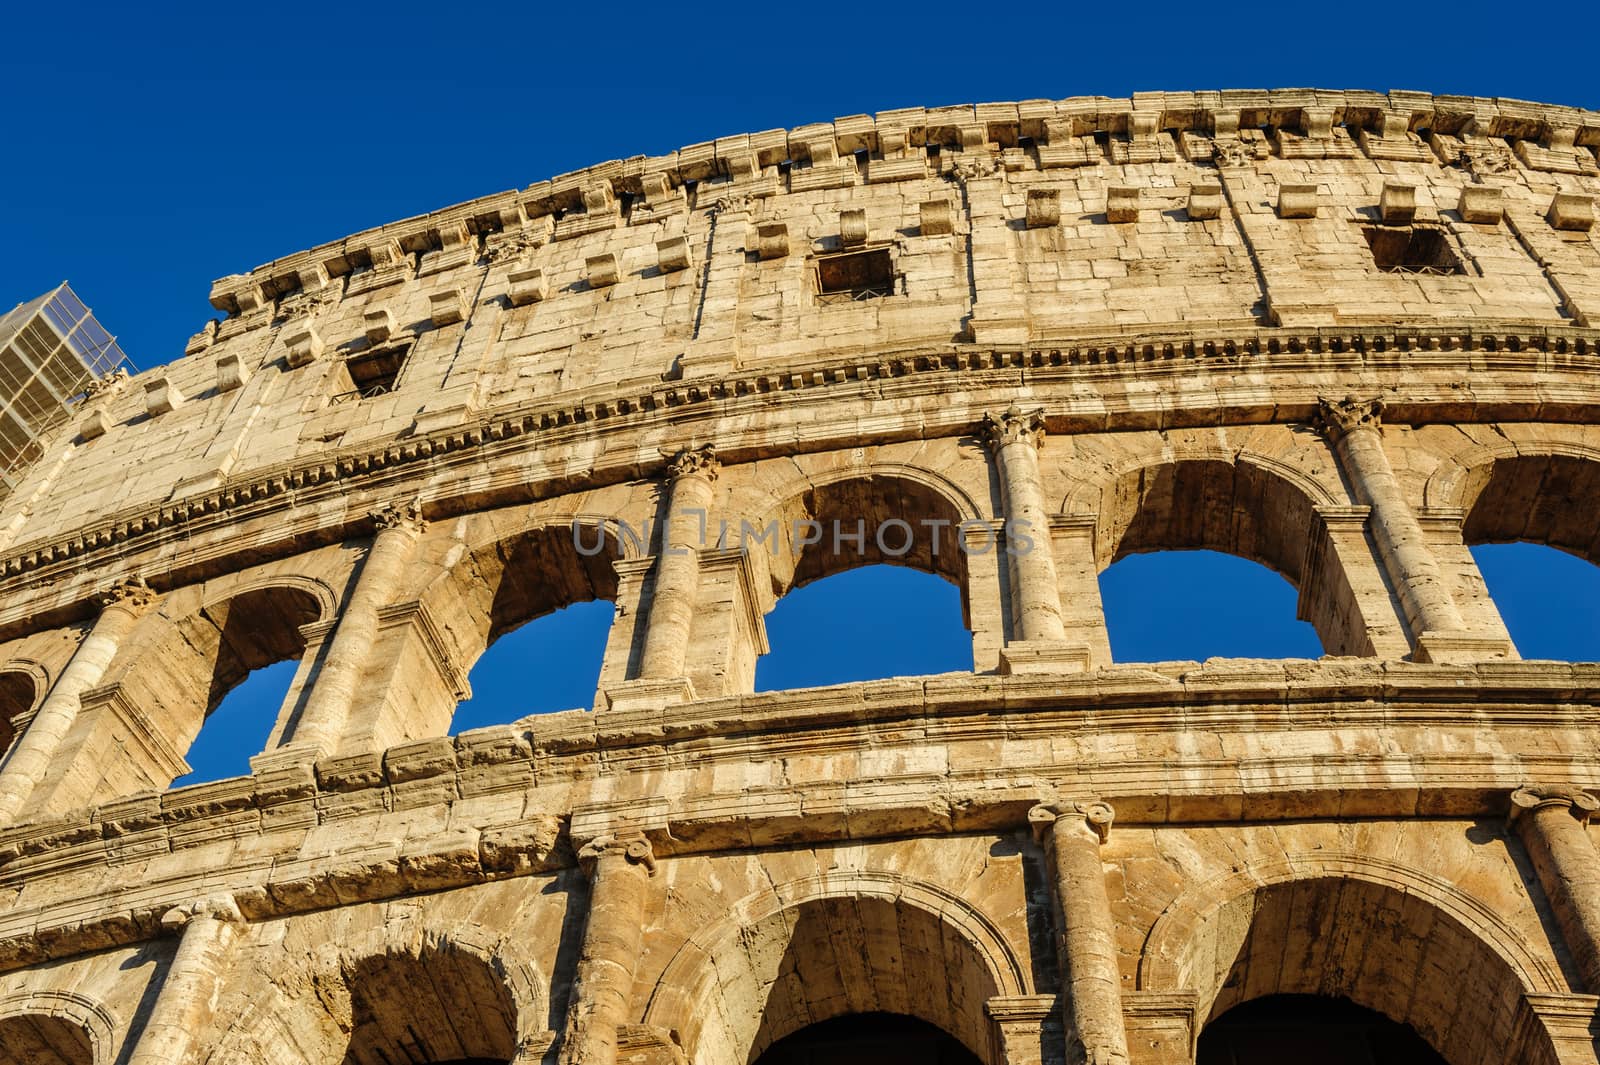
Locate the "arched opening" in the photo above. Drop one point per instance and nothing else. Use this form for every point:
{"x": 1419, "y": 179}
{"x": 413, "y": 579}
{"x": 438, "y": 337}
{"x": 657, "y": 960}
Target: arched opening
{"x": 1548, "y": 599}
{"x": 240, "y": 726}
{"x": 1376, "y": 945}
{"x": 1175, "y": 605}
{"x": 18, "y": 692}
{"x": 868, "y": 1039}
{"x": 1310, "y": 1030}
{"x": 865, "y": 624}
{"x": 1530, "y": 524}
{"x": 39, "y": 1039}
{"x": 803, "y": 955}
{"x": 855, "y": 556}
{"x": 437, "y": 1006}
{"x": 1192, "y": 510}
{"x": 547, "y": 664}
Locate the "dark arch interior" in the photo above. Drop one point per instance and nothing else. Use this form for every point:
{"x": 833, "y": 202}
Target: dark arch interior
{"x": 42, "y": 1040}
{"x": 1310, "y": 1030}
{"x": 17, "y": 694}
{"x": 869, "y": 1039}
{"x": 439, "y": 1006}
{"x": 1542, "y": 499}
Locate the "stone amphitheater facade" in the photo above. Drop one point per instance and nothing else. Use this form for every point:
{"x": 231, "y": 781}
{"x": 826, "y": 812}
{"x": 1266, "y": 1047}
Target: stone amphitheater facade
{"x": 1342, "y": 334}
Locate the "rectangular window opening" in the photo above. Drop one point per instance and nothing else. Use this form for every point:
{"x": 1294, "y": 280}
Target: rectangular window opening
{"x": 1412, "y": 250}
{"x": 374, "y": 372}
{"x": 853, "y": 276}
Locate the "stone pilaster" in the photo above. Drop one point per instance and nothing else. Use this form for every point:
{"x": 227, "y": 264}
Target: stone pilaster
{"x": 1352, "y": 427}
{"x": 188, "y": 994}
{"x": 1037, "y": 635}
{"x": 1071, "y": 835}
{"x": 31, "y": 756}
{"x": 1551, "y": 822}
{"x": 619, "y": 870}
{"x": 322, "y": 723}
{"x": 669, "y": 617}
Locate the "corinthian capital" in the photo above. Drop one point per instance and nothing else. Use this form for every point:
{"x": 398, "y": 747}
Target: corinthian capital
{"x": 1012, "y": 425}
{"x": 407, "y": 515}
{"x": 1096, "y": 816}
{"x": 634, "y": 849}
{"x": 702, "y": 460}
{"x": 1336, "y": 417}
{"x": 130, "y": 594}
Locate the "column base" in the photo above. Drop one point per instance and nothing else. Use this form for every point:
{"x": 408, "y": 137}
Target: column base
{"x": 1040, "y": 656}
{"x": 649, "y": 694}
{"x": 1459, "y": 648}
{"x": 287, "y": 758}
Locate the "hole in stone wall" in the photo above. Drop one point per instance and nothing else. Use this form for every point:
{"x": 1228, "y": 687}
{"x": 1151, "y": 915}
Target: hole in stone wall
{"x": 864, "y": 624}
{"x": 1412, "y": 250}
{"x": 1310, "y": 1030}
{"x": 374, "y": 372}
{"x": 551, "y": 663}
{"x": 851, "y": 276}
{"x": 18, "y": 691}
{"x": 1167, "y": 606}
{"x": 1548, "y": 599}
{"x": 240, "y": 725}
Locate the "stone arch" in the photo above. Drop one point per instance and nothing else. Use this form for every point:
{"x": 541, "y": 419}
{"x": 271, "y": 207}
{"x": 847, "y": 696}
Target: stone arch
{"x": 872, "y": 493}
{"x": 764, "y": 970}
{"x": 1523, "y": 491}
{"x": 1394, "y": 939}
{"x": 390, "y": 995}
{"x": 23, "y": 684}
{"x": 1256, "y": 507}
{"x": 56, "y": 1028}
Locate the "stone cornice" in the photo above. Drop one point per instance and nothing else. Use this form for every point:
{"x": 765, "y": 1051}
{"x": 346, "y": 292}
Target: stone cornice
{"x": 896, "y": 143}
{"x": 381, "y": 467}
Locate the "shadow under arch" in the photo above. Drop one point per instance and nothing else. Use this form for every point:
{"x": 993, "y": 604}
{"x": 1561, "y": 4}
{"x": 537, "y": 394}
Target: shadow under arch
{"x": 23, "y": 684}
{"x": 56, "y": 1028}
{"x": 402, "y": 992}
{"x": 1543, "y": 493}
{"x": 1375, "y": 932}
{"x": 770, "y": 967}
{"x": 1250, "y": 506}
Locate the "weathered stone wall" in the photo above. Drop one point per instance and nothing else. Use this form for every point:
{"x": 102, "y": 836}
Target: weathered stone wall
{"x": 1106, "y": 327}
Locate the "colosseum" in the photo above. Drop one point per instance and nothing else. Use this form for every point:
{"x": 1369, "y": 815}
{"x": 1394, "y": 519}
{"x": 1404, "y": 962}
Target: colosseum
{"x": 1345, "y": 335}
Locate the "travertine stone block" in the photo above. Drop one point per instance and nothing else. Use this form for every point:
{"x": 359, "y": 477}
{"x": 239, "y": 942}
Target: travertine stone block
{"x": 1297, "y": 201}
{"x": 934, "y": 218}
{"x": 302, "y": 346}
{"x": 1571, "y": 211}
{"x": 162, "y": 395}
{"x": 378, "y": 323}
{"x": 93, "y": 425}
{"x": 1122, "y": 204}
{"x": 1044, "y": 208}
{"x": 527, "y": 285}
{"x": 232, "y": 372}
{"x": 852, "y": 228}
{"x": 1205, "y": 202}
{"x": 601, "y": 271}
{"x": 772, "y": 240}
{"x": 673, "y": 254}
{"x": 1481, "y": 204}
{"x": 1397, "y": 205}
{"x": 447, "y": 307}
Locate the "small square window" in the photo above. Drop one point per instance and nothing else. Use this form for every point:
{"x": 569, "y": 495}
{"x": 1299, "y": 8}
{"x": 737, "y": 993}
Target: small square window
{"x": 860, "y": 275}
{"x": 374, "y": 372}
{"x": 1412, "y": 250}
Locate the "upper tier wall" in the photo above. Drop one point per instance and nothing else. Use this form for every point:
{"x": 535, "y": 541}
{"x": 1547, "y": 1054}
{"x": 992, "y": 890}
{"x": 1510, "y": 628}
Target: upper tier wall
{"x": 656, "y": 291}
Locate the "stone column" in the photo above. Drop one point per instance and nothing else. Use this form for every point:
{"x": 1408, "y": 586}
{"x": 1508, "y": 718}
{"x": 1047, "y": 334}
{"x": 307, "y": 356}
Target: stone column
{"x": 1013, "y": 438}
{"x": 619, "y": 870}
{"x": 322, "y": 723}
{"x": 188, "y": 995}
{"x": 1351, "y": 426}
{"x": 33, "y": 753}
{"x": 1551, "y": 823}
{"x": 670, "y": 615}
{"x": 1071, "y": 835}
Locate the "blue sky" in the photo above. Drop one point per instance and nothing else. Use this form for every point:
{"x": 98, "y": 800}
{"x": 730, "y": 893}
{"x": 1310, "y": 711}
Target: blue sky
{"x": 150, "y": 150}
